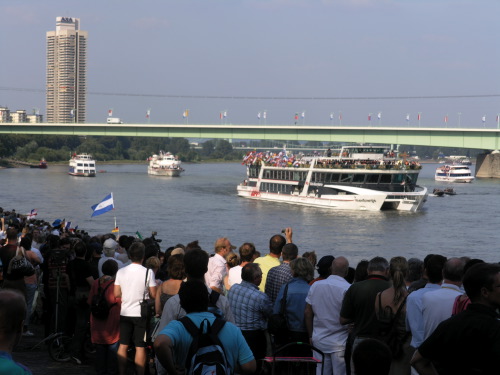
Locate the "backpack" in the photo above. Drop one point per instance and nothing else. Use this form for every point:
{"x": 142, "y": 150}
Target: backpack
{"x": 100, "y": 306}
{"x": 206, "y": 354}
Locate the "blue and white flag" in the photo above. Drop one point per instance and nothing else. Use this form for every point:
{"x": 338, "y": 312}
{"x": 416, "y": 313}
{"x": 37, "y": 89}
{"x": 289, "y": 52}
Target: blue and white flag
{"x": 105, "y": 206}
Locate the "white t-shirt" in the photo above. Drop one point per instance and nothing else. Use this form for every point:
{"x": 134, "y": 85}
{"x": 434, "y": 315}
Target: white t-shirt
{"x": 325, "y": 298}
{"x": 216, "y": 272}
{"x": 131, "y": 280}
{"x": 234, "y": 275}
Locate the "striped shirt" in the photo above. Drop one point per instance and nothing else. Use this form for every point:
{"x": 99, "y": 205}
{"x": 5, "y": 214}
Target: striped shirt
{"x": 249, "y": 306}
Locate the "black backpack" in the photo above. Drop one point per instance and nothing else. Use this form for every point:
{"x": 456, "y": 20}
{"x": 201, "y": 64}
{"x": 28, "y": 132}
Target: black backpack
{"x": 206, "y": 354}
{"x": 100, "y": 306}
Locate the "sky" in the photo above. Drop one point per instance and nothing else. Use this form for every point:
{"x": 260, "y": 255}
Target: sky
{"x": 396, "y": 58}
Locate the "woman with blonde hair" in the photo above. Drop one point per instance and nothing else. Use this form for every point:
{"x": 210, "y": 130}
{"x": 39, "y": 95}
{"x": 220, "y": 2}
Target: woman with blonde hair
{"x": 390, "y": 308}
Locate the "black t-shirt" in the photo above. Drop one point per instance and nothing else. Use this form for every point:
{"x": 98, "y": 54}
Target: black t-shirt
{"x": 79, "y": 270}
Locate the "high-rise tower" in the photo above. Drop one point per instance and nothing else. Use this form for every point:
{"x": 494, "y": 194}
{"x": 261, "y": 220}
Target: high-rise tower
{"x": 66, "y": 72}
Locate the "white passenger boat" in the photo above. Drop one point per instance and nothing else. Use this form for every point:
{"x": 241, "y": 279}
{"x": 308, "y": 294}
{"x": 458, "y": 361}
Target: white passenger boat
{"x": 82, "y": 165}
{"x": 356, "y": 178}
{"x": 165, "y": 164}
{"x": 454, "y": 173}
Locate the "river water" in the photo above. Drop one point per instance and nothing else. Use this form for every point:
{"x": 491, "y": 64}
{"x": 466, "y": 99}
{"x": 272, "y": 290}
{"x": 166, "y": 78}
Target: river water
{"x": 203, "y": 205}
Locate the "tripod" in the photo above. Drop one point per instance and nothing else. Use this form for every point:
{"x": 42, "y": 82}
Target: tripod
{"x": 57, "y": 342}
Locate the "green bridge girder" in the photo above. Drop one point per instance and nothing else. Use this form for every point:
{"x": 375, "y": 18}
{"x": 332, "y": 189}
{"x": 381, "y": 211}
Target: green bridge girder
{"x": 475, "y": 138}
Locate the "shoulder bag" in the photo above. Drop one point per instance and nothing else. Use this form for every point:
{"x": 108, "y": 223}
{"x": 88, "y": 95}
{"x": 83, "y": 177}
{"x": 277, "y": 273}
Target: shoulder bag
{"x": 147, "y": 304}
{"x": 277, "y": 324}
{"x": 19, "y": 266}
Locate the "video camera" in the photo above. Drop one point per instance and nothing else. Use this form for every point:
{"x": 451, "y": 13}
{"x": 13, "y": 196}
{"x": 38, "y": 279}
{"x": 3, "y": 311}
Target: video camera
{"x": 153, "y": 236}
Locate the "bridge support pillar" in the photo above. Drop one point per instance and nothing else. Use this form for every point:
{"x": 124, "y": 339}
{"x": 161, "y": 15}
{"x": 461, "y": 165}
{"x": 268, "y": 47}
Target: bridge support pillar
{"x": 488, "y": 165}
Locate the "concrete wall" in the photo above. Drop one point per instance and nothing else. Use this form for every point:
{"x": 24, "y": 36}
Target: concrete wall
{"x": 488, "y": 165}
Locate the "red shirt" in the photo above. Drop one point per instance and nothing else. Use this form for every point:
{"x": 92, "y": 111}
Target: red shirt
{"x": 105, "y": 331}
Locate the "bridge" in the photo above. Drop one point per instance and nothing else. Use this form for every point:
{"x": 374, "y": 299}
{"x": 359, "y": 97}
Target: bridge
{"x": 475, "y": 138}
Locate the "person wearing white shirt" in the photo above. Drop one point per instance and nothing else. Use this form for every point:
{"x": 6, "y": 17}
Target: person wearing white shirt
{"x": 247, "y": 255}
{"x": 322, "y": 318}
{"x": 437, "y": 305}
{"x": 214, "y": 278}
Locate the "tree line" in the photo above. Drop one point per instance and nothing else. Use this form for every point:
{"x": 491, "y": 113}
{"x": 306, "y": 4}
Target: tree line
{"x": 32, "y": 148}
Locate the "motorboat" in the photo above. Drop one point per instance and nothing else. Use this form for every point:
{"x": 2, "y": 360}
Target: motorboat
{"x": 354, "y": 178}
{"x": 454, "y": 173}
{"x": 164, "y": 164}
{"x": 82, "y": 165}
{"x": 41, "y": 165}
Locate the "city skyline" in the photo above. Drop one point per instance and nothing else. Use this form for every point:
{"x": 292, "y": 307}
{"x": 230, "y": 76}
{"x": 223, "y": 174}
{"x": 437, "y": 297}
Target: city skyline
{"x": 354, "y": 59}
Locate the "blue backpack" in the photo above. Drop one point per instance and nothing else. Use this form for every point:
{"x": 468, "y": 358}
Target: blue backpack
{"x": 206, "y": 355}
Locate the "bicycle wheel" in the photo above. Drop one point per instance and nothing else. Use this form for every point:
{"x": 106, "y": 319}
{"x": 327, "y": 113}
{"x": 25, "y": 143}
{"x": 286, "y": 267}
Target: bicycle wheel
{"x": 58, "y": 348}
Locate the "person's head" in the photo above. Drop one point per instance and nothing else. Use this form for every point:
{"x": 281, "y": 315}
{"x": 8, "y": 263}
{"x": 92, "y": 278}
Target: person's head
{"x": 232, "y": 259}
{"x": 153, "y": 263}
{"x": 453, "y": 270}
{"x": 223, "y": 246}
{"x": 434, "y": 268}
{"x": 325, "y": 266}
{"x": 276, "y": 244}
{"x": 251, "y": 273}
{"x": 398, "y": 270}
{"x": 289, "y": 252}
{"x": 193, "y": 296}
{"x": 378, "y": 265}
{"x": 136, "y": 252}
{"x": 26, "y": 243}
{"x": 415, "y": 270}
{"x": 361, "y": 271}
{"x": 110, "y": 267}
{"x": 482, "y": 284}
{"x": 80, "y": 249}
{"x": 311, "y": 256}
{"x": 340, "y": 266}
{"x": 247, "y": 252}
{"x": 302, "y": 268}
{"x": 196, "y": 263}
{"x": 175, "y": 267}
{"x": 372, "y": 357}
{"x": 12, "y": 313}
{"x": 109, "y": 247}
{"x": 12, "y": 234}
{"x": 125, "y": 242}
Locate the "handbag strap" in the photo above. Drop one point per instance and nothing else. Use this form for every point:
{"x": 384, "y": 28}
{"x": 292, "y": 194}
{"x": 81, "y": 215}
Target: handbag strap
{"x": 145, "y": 284}
{"x": 283, "y": 300}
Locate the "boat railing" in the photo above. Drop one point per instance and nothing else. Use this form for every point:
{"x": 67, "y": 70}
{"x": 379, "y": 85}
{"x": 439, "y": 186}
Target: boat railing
{"x": 389, "y": 165}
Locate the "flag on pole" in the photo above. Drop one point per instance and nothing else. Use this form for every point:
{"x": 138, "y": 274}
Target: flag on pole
{"x": 220, "y": 115}
{"x": 369, "y": 117}
{"x": 258, "y": 115}
{"x": 446, "y": 118}
{"x": 379, "y": 115}
{"x": 225, "y": 114}
{"x": 72, "y": 113}
{"x": 68, "y": 225}
{"x": 340, "y": 116}
{"x": 418, "y": 117}
{"x": 303, "y": 114}
{"x": 32, "y": 214}
{"x": 483, "y": 119}
{"x": 185, "y": 114}
{"x": 331, "y": 116}
{"x": 408, "y": 117}
{"x": 110, "y": 112}
{"x": 264, "y": 115}
{"x": 138, "y": 235}
{"x": 296, "y": 116}
{"x": 106, "y": 205}
{"x": 148, "y": 113}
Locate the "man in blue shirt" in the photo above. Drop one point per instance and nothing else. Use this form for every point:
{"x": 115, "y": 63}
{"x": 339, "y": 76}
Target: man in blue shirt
{"x": 12, "y": 313}
{"x": 173, "y": 342}
{"x": 251, "y": 308}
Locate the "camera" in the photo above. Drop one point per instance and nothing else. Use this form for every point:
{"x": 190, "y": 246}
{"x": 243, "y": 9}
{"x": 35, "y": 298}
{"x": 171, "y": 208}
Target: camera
{"x": 153, "y": 236}
{"x": 283, "y": 231}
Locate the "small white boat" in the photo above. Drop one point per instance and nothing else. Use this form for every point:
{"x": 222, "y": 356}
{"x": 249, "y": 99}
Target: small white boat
{"x": 164, "y": 164}
{"x": 82, "y": 165}
{"x": 454, "y": 173}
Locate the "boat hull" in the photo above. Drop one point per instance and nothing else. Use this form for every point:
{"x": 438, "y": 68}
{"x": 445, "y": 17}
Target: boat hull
{"x": 368, "y": 201}
{"x": 87, "y": 174}
{"x": 463, "y": 180}
{"x": 164, "y": 172}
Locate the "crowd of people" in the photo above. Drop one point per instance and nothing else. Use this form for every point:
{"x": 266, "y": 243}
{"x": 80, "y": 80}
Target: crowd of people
{"x": 437, "y": 315}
